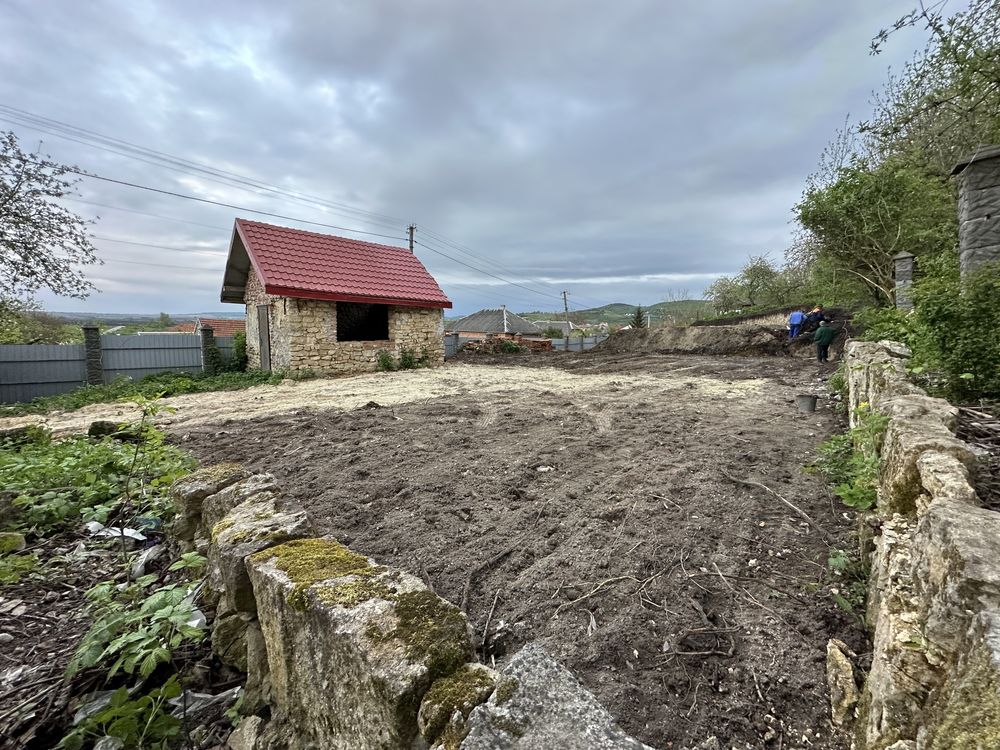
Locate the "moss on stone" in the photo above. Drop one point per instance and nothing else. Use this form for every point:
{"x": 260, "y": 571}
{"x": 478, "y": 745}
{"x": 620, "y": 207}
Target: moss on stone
{"x": 971, "y": 716}
{"x": 220, "y": 527}
{"x": 433, "y": 631}
{"x": 461, "y": 691}
{"x": 307, "y": 562}
{"x": 505, "y": 690}
{"x": 511, "y": 727}
{"x": 353, "y": 593}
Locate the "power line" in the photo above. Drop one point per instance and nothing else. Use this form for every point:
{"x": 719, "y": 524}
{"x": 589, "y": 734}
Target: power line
{"x": 145, "y": 213}
{"x": 134, "y": 151}
{"x": 229, "y": 205}
{"x": 158, "y": 247}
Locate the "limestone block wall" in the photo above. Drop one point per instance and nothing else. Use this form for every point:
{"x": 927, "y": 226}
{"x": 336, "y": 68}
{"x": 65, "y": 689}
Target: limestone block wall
{"x": 343, "y": 653}
{"x": 303, "y": 334}
{"x": 934, "y": 590}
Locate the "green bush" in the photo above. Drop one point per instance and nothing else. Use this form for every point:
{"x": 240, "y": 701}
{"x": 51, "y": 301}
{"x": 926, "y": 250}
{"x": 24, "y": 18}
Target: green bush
{"x": 408, "y": 359}
{"x": 511, "y": 347}
{"x": 238, "y": 361}
{"x": 959, "y": 326}
{"x": 851, "y": 460}
{"x": 886, "y": 323}
{"x": 59, "y": 483}
{"x": 384, "y": 361}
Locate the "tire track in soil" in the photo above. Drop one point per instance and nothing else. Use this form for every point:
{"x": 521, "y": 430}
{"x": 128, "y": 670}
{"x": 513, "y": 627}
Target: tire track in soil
{"x": 689, "y": 605}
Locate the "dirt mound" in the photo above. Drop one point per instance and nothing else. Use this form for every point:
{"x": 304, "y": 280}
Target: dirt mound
{"x": 725, "y": 340}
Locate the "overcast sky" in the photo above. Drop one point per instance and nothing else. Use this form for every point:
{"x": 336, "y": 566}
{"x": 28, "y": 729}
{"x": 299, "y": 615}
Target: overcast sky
{"x": 624, "y": 150}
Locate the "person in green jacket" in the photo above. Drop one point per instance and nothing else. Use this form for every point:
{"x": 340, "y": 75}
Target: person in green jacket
{"x": 823, "y": 337}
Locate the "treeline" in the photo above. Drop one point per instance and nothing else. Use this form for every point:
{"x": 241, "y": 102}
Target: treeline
{"x": 883, "y": 187}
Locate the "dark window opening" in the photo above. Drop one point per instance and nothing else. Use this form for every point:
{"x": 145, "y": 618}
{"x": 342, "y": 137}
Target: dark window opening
{"x": 361, "y": 322}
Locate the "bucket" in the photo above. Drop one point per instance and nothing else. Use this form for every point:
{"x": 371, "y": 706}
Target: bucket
{"x": 806, "y": 402}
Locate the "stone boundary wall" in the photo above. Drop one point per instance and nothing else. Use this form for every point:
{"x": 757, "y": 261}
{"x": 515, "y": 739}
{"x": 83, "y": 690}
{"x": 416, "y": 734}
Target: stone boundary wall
{"x": 343, "y": 653}
{"x": 934, "y": 589}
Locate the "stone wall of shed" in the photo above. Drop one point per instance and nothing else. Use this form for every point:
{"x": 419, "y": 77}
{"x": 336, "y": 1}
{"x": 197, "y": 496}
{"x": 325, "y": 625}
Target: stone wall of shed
{"x": 934, "y": 588}
{"x": 303, "y": 334}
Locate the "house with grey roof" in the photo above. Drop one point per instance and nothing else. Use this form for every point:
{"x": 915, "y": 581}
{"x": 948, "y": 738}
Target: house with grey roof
{"x": 493, "y": 322}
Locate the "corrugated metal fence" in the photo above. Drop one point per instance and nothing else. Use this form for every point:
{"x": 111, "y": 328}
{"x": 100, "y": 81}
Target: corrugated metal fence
{"x": 28, "y": 371}
{"x": 453, "y": 343}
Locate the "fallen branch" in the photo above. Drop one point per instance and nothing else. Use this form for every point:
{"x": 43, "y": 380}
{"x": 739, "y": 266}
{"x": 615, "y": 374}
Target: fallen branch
{"x": 827, "y": 537}
{"x": 479, "y": 569}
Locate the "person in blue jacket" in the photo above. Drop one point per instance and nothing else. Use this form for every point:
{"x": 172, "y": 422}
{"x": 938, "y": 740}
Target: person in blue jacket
{"x": 795, "y": 321}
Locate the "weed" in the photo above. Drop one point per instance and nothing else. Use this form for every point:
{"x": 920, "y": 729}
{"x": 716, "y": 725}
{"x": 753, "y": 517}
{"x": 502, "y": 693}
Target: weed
{"x": 153, "y": 386}
{"x": 408, "y": 359}
{"x": 851, "y": 461}
{"x": 384, "y": 361}
{"x": 13, "y": 567}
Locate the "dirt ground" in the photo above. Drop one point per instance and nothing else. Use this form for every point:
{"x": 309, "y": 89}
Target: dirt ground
{"x": 582, "y": 501}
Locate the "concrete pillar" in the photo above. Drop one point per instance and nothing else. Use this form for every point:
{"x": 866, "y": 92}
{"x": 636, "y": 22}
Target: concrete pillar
{"x": 92, "y": 352}
{"x": 905, "y": 264}
{"x": 209, "y": 352}
{"x": 979, "y": 208}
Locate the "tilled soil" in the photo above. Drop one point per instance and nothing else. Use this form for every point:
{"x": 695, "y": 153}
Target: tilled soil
{"x": 588, "y": 502}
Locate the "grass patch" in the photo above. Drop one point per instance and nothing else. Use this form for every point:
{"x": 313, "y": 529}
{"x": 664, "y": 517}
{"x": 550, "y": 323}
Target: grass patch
{"x": 152, "y": 386}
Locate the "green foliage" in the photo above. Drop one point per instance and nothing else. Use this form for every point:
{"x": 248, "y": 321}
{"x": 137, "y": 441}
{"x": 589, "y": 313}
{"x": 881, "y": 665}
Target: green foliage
{"x": 56, "y": 482}
{"x": 553, "y": 333}
{"x": 238, "y": 362}
{"x": 851, "y": 460}
{"x": 162, "y": 384}
{"x": 870, "y": 212}
{"x": 506, "y": 346}
{"x": 885, "y": 323}
{"x": 13, "y": 566}
{"x": 384, "y": 361}
{"x": 638, "y": 318}
{"x": 959, "y": 327}
{"x": 759, "y": 284}
{"x": 142, "y": 722}
{"x": 133, "y": 631}
{"x": 408, "y": 359}
{"x": 851, "y": 574}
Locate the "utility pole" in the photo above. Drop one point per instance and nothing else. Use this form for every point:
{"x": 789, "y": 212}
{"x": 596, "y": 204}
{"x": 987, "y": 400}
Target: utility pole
{"x": 411, "y": 230}
{"x": 566, "y": 308}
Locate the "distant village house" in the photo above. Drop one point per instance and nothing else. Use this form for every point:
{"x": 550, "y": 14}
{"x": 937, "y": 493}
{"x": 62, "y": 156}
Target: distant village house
{"x": 492, "y": 322}
{"x": 328, "y": 303}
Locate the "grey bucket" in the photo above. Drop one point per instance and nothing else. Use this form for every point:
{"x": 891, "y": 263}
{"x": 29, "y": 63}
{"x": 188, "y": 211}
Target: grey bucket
{"x": 806, "y": 402}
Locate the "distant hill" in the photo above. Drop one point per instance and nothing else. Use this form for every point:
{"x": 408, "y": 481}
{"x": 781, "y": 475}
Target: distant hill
{"x": 619, "y": 313}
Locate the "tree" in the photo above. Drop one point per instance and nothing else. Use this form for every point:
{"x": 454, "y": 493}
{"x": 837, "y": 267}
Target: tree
{"x": 42, "y": 243}
{"x": 638, "y": 318}
{"x": 165, "y": 320}
{"x": 870, "y": 213}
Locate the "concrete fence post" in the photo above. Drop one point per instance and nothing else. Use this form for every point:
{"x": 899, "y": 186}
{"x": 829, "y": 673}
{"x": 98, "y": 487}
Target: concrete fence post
{"x": 93, "y": 355}
{"x": 209, "y": 352}
{"x": 905, "y": 264}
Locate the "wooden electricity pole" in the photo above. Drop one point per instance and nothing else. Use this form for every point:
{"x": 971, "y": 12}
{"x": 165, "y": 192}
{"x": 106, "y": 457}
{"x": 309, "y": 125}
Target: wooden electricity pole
{"x": 411, "y": 230}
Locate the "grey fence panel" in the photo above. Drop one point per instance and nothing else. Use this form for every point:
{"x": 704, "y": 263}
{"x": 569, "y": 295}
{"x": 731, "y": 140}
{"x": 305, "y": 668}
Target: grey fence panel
{"x": 31, "y": 370}
{"x": 577, "y": 343}
{"x": 28, "y": 371}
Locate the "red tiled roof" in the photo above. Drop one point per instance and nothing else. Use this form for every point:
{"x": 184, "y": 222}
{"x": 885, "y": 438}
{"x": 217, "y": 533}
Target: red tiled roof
{"x": 223, "y": 326}
{"x": 296, "y": 263}
{"x": 181, "y": 328}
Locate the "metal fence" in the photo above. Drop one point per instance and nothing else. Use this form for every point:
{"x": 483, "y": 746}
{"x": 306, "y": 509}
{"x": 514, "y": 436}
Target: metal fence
{"x": 453, "y": 343}
{"x": 28, "y": 371}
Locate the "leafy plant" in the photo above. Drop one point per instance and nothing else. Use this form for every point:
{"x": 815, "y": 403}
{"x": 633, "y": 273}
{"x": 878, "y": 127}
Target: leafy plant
{"x": 851, "y": 460}
{"x": 138, "y": 723}
{"x": 133, "y": 632}
{"x": 238, "y": 362}
{"x": 851, "y": 575}
{"x": 384, "y": 361}
{"x": 13, "y": 567}
{"x": 408, "y": 359}
{"x": 507, "y": 346}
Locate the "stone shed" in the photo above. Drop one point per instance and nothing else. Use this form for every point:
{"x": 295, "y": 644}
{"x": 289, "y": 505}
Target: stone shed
{"x": 330, "y": 303}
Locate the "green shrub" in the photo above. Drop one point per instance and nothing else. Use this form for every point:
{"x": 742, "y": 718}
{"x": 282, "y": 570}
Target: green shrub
{"x": 959, "y": 326}
{"x": 238, "y": 361}
{"x": 58, "y": 483}
{"x": 408, "y": 359}
{"x": 384, "y": 361}
{"x": 851, "y": 460}
{"x": 885, "y": 323}
{"x": 507, "y": 346}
